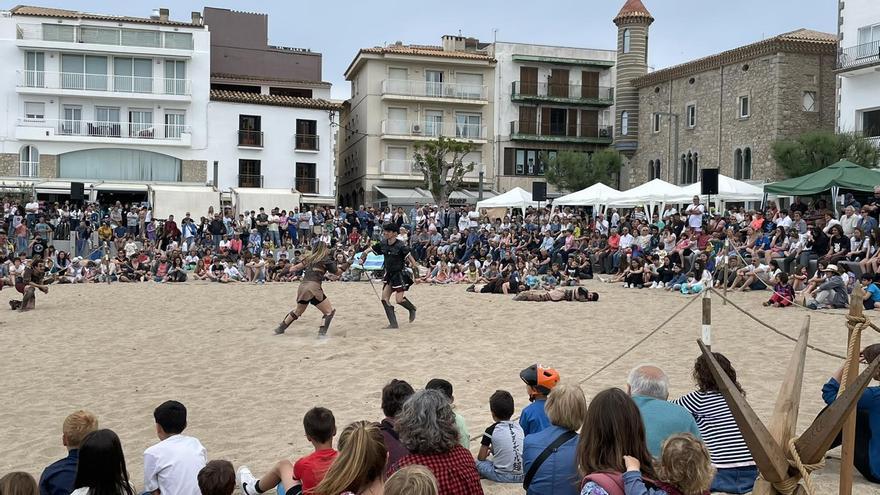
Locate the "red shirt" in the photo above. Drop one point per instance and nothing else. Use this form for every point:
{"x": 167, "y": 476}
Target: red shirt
{"x": 456, "y": 471}
{"x": 312, "y": 468}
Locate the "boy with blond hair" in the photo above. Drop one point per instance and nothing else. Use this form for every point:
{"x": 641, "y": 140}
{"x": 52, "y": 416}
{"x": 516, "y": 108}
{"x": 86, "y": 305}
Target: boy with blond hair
{"x": 58, "y": 477}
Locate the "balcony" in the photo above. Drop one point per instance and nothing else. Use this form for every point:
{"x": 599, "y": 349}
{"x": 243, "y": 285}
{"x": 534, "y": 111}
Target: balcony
{"x": 583, "y": 134}
{"x": 858, "y": 57}
{"x": 875, "y": 140}
{"x": 568, "y": 94}
{"x": 103, "y": 132}
{"x": 250, "y": 180}
{"x": 29, "y": 169}
{"x": 426, "y": 131}
{"x": 405, "y": 89}
{"x": 104, "y": 39}
{"x": 306, "y": 142}
{"x": 250, "y": 139}
{"x": 404, "y": 167}
{"x": 307, "y": 185}
{"x": 98, "y": 85}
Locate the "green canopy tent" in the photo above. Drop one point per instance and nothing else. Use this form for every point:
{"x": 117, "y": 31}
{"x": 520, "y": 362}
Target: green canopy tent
{"x": 843, "y": 174}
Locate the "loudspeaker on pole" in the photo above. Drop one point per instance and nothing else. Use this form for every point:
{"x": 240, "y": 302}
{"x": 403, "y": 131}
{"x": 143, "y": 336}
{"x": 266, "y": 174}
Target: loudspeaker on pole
{"x": 539, "y": 191}
{"x": 709, "y": 181}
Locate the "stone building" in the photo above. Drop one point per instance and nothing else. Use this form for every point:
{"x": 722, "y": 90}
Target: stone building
{"x": 722, "y": 111}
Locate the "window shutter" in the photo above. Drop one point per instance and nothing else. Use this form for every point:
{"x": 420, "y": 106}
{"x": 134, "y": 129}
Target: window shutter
{"x": 508, "y": 161}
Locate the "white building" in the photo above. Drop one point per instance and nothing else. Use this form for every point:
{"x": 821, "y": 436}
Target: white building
{"x": 116, "y": 102}
{"x": 858, "y": 68}
{"x": 548, "y": 99}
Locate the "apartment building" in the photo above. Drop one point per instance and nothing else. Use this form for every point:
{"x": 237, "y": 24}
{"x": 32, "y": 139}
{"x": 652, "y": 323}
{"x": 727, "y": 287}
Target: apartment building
{"x": 117, "y": 101}
{"x": 270, "y": 122}
{"x": 549, "y": 99}
{"x": 402, "y": 95}
{"x": 858, "y": 68}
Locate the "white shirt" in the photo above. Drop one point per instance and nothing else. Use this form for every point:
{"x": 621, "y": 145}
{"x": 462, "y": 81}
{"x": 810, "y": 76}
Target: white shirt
{"x": 473, "y": 216}
{"x": 32, "y": 207}
{"x": 695, "y": 216}
{"x": 785, "y": 221}
{"x": 172, "y": 466}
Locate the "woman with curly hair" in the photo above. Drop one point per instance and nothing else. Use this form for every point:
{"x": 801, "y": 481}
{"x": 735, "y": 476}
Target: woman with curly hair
{"x": 736, "y": 471}
{"x": 427, "y": 428}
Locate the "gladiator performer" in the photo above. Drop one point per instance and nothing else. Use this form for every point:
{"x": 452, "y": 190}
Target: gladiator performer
{"x": 29, "y": 282}
{"x": 397, "y": 280}
{"x": 314, "y": 266}
{"x": 576, "y": 294}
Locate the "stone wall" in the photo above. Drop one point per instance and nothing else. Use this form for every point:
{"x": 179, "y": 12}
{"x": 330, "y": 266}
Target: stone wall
{"x": 9, "y": 165}
{"x": 194, "y": 171}
{"x": 48, "y": 167}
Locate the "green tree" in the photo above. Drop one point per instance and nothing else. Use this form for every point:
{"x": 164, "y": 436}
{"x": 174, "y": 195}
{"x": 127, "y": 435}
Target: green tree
{"x": 813, "y": 151}
{"x": 441, "y": 163}
{"x": 575, "y": 170}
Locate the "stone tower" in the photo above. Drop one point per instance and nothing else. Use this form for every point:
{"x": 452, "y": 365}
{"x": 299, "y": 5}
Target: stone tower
{"x": 632, "y": 23}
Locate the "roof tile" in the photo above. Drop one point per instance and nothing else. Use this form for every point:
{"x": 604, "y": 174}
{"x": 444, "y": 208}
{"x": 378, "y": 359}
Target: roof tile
{"x": 73, "y": 14}
{"x": 275, "y": 100}
{"x": 633, "y": 9}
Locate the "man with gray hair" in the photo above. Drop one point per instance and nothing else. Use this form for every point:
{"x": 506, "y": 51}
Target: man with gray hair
{"x": 648, "y": 386}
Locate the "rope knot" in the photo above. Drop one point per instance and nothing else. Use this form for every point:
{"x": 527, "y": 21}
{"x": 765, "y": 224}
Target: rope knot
{"x": 789, "y": 485}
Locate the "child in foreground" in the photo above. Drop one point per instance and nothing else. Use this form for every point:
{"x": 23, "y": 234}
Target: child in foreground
{"x": 412, "y": 480}
{"x": 504, "y": 440}
{"x": 684, "y": 469}
{"x": 873, "y": 292}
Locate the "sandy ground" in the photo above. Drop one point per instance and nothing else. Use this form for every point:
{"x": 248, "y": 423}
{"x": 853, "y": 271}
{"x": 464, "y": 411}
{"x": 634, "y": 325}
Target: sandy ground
{"x": 121, "y": 350}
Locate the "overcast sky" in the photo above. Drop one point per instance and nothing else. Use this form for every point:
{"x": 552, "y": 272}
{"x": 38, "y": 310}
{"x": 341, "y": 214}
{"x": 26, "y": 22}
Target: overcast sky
{"x": 682, "y": 30}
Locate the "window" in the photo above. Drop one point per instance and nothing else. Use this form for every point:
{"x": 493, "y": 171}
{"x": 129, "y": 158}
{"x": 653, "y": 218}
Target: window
{"x": 98, "y": 35}
{"x": 433, "y": 123}
{"x": 809, "y": 103}
{"x": 180, "y": 41}
{"x": 140, "y": 123}
{"x": 249, "y": 173}
{"x": 518, "y": 161}
{"x": 175, "y": 124}
{"x": 747, "y": 164}
{"x": 468, "y": 125}
{"x": 293, "y": 92}
{"x": 34, "y": 67}
{"x": 691, "y": 116}
{"x": 107, "y": 114}
{"x": 870, "y": 121}
{"x": 34, "y": 110}
{"x": 397, "y": 162}
{"x": 306, "y": 135}
{"x": 72, "y": 122}
{"x": 624, "y": 123}
{"x": 654, "y": 169}
{"x": 557, "y": 124}
{"x": 249, "y": 131}
{"x": 133, "y": 75}
{"x": 868, "y": 36}
{"x": 58, "y": 32}
{"x": 397, "y": 82}
{"x": 175, "y": 77}
{"x": 626, "y": 40}
{"x": 141, "y": 37}
{"x": 656, "y": 125}
{"x": 469, "y": 86}
{"x": 106, "y": 122}
{"x": 396, "y": 122}
{"x": 433, "y": 83}
{"x": 744, "y": 107}
{"x": 689, "y": 166}
{"x": 29, "y": 161}
{"x": 306, "y": 180}
{"x": 83, "y": 72}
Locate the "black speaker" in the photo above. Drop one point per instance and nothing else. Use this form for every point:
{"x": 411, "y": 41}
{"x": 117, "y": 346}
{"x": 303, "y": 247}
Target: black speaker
{"x": 77, "y": 191}
{"x": 539, "y": 191}
{"x": 709, "y": 181}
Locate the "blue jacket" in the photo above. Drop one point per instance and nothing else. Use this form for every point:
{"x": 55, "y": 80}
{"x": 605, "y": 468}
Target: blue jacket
{"x": 869, "y": 402}
{"x": 558, "y": 474}
{"x": 58, "y": 478}
{"x": 533, "y": 418}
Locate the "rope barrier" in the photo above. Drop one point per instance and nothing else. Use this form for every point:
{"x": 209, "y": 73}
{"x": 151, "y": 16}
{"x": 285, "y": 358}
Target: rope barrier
{"x": 789, "y": 486}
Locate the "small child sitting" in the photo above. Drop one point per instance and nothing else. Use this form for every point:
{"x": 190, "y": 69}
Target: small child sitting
{"x": 539, "y": 382}
{"x": 684, "y": 468}
{"x": 217, "y": 478}
{"x": 873, "y": 292}
{"x": 412, "y": 480}
{"x": 783, "y": 292}
{"x": 306, "y": 473}
{"x": 504, "y": 440}
{"x": 678, "y": 278}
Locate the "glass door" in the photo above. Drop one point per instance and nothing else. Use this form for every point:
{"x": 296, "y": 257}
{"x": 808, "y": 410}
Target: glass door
{"x": 106, "y": 122}
{"x": 467, "y": 125}
{"x": 433, "y": 83}
{"x": 34, "y": 67}
{"x": 397, "y": 83}
{"x": 397, "y": 122}
{"x": 72, "y": 122}
{"x": 175, "y": 77}
{"x": 140, "y": 124}
{"x": 174, "y": 123}
{"x": 433, "y": 123}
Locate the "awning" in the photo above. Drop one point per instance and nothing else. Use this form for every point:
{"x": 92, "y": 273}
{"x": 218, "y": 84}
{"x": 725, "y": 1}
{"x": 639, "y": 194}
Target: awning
{"x": 180, "y": 200}
{"x": 118, "y": 186}
{"x": 318, "y": 200}
{"x": 254, "y": 198}
{"x": 402, "y": 196}
{"x": 470, "y": 196}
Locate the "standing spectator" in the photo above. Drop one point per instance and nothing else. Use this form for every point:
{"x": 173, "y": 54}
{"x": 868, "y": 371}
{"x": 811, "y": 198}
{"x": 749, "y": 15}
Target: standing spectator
{"x": 173, "y": 464}
{"x": 695, "y": 213}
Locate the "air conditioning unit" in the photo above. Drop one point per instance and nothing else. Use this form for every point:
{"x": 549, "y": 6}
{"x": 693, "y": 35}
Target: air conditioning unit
{"x": 603, "y": 132}
{"x": 416, "y": 128}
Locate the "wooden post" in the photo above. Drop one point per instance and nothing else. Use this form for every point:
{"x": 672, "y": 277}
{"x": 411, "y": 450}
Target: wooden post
{"x": 847, "y": 453}
{"x": 707, "y": 318}
{"x": 726, "y": 259}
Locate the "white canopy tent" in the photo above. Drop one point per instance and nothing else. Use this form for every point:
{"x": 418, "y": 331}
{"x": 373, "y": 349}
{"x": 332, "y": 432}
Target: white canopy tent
{"x": 253, "y": 198}
{"x": 650, "y": 194}
{"x": 180, "y": 200}
{"x": 596, "y": 195}
{"x": 729, "y": 189}
{"x": 515, "y": 198}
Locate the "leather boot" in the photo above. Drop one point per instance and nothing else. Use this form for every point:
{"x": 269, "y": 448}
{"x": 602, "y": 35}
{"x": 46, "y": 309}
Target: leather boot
{"x": 283, "y": 325}
{"x": 322, "y": 330}
{"x": 409, "y": 307}
{"x": 389, "y": 312}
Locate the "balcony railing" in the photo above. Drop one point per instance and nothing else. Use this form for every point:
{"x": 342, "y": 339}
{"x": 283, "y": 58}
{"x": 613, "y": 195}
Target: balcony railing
{"x": 307, "y": 185}
{"x": 433, "y": 129}
{"x": 306, "y": 142}
{"x": 109, "y": 129}
{"x": 251, "y": 139}
{"x": 875, "y": 140}
{"x": 105, "y": 35}
{"x": 398, "y": 166}
{"x": 102, "y": 82}
{"x": 581, "y": 133}
{"x": 28, "y": 169}
{"x": 250, "y": 180}
{"x": 859, "y": 55}
{"x": 572, "y": 93}
{"x": 424, "y": 89}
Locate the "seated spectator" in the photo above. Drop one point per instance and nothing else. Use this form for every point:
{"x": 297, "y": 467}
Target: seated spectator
{"x": 217, "y": 478}
{"x": 305, "y": 474}
{"x": 464, "y": 436}
{"x": 872, "y": 292}
{"x": 783, "y": 293}
{"x": 612, "y": 428}
{"x": 412, "y": 480}
{"x": 57, "y": 479}
{"x": 504, "y": 441}
{"x": 867, "y": 448}
{"x": 539, "y": 382}
{"x": 360, "y": 466}
{"x": 557, "y": 445}
{"x": 428, "y": 430}
{"x": 173, "y": 464}
{"x": 101, "y": 468}
{"x": 736, "y": 471}
{"x": 684, "y": 468}
{"x": 394, "y": 394}
{"x": 830, "y": 293}
{"x": 649, "y": 388}
{"x": 18, "y": 483}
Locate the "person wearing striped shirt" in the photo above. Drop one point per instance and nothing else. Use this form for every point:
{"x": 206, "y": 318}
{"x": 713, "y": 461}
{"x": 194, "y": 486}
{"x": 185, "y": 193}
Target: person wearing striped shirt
{"x": 736, "y": 470}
